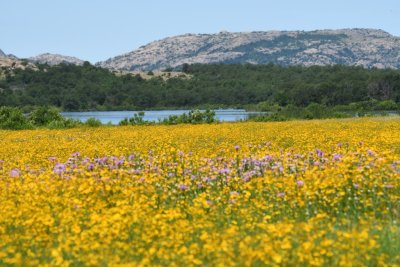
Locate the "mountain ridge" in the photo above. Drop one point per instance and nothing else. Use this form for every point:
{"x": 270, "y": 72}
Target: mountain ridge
{"x": 55, "y": 59}
{"x": 359, "y": 47}
{"x": 354, "y": 47}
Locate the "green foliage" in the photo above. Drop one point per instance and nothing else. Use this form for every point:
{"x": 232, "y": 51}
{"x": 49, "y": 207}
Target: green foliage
{"x": 93, "y": 122}
{"x": 42, "y": 116}
{"x": 387, "y": 105}
{"x": 193, "y": 117}
{"x": 316, "y": 111}
{"x": 312, "y": 111}
{"x": 262, "y": 87}
{"x": 63, "y": 124}
{"x": 137, "y": 119}
{"x": 13, "y": 119}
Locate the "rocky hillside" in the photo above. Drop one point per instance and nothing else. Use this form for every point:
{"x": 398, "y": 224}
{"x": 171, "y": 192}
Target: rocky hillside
{"x": 55, "y": 59}
{"x": 360, "y": 47}
{"x": 11, "y": 62}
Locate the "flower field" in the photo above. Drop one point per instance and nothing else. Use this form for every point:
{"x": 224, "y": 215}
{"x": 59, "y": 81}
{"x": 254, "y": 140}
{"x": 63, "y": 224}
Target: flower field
{"x": 302, "y": 193}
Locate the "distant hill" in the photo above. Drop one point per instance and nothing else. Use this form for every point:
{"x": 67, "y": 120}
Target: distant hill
{"x": 9, "y": 56}
{"x": 354, "y": 47}
{"x": 11, "y": 62}
{"x": 55, "y": 59}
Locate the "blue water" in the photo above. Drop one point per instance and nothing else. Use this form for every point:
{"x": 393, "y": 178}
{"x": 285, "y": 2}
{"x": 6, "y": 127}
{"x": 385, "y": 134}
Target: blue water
{"x": 153, "y": 115}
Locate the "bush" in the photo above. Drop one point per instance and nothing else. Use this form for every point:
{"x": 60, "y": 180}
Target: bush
{"x": 13, "y": 119}
{"x": 43, "y": 116}
{"x": 193, "y": 117}
{"x": 269, "y": 117}
{"x": 137, "y": 119}
{"x": 386, "y": 105}
{"x": 341, "y": 115}
{"x": 316, "y": 111}
{"x": 93, "y": 122}
{"x": 64, "y": 123}
{"x": 124, "y": 122}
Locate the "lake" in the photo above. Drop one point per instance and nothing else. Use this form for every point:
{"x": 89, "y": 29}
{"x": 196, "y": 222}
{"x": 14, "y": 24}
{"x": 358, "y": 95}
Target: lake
{"x": 154, "y": 115}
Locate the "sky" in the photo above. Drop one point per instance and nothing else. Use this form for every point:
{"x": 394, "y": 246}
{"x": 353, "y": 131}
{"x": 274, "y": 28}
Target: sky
{"x": 96, "y": 30}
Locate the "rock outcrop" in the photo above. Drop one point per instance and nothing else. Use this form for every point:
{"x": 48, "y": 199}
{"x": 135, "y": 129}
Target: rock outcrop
{"x": 356, "y": 47}
{"x": 55, "y": 59}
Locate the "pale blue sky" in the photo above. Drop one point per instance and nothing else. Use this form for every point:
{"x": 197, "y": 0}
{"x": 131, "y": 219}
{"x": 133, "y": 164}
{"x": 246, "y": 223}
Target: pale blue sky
{"x": 98, "y": 29}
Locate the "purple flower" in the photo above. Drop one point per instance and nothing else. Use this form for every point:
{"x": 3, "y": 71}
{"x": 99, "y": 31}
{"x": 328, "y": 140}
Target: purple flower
{"x": 52, "y": 158}
{"x": 320, "y": 153}
{"x": 102, "y": 160}
{"x": 280, "y": 194}
{"x": 183, "y": 187}
{"x": 14, "y": 173}
{"x": 336, "y": 157}
{"x": 224, "y": 170}
{"x": 389, "y": 186}
{"x": 356, "y": 185}
{"x": 59, "y": 168}
{"x": 76, "y": 154}
{"x": 237, "y": 147}
{"x": 370, "y": 152}
{"x": 300, "y": 183}
{"x": 90, "y": 167}
{"x": 268, "y": 158}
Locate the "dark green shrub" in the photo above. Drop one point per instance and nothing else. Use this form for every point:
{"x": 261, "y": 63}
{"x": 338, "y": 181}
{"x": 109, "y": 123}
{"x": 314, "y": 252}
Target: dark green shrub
{"x": 171, "y": 119}
{"x": 316, "y": 111}
{"x": 386, "y": 105}
{"x": 137, "y": 119}
{"x": 93, "y": 122}
{"x": 13, "y": 119}
{"x": 42, "y": 116}
{"x": 64, "y": 123}
{"x": 124, "y": 122}
{"x": 193, "y": 117}
{"x": 341, "y": 115}
{"x": 270, "y": 117}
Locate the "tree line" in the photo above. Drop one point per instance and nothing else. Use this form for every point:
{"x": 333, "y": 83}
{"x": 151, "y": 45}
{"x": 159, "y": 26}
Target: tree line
{"x": 87, "y": 87}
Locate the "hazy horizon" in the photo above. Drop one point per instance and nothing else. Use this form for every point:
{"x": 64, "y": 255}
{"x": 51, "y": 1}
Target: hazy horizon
{"x": 98, "y": 30}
